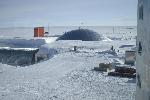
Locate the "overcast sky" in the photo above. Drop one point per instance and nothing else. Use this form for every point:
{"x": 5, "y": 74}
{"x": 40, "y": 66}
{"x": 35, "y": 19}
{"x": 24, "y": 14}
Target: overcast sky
{"x": 67, "y": 12}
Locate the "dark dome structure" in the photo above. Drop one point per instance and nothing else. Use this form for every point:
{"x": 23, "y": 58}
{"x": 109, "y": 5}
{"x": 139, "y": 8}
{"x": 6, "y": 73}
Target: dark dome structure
{"x": 81, "y": 34}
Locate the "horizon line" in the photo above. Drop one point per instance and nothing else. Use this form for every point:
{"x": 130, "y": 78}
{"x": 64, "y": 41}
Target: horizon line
{"x": 71, "y": 26}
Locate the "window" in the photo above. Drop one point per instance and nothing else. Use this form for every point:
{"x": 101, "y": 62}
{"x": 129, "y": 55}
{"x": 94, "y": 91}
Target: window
{"x": 138, "y": 81}
{"x": 140, "y": 48}
{"x": 141, "y": 12}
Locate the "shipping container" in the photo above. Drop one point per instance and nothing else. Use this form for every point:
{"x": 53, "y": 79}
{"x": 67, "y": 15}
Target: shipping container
{"x": 39, "y": 32}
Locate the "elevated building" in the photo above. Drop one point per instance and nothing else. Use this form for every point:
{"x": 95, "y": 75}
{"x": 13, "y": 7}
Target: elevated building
{"x": 143, "y": 51}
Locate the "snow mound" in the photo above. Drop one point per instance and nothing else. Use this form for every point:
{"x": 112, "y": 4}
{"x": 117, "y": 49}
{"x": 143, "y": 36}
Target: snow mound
{"x": 45, "y": 53}
{"x": 82, "y": 34}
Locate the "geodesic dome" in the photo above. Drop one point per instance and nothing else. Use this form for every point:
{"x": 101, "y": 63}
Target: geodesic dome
{"x": 81, "y": 34}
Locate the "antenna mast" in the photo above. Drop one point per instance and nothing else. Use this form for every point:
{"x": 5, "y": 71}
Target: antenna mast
{"x": 113, "y": 30}
{"x": 48, "y": 28}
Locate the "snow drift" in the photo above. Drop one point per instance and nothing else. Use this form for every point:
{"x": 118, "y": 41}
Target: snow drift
{"x": 22, "y": 43}
{"x": 45, "y": 53}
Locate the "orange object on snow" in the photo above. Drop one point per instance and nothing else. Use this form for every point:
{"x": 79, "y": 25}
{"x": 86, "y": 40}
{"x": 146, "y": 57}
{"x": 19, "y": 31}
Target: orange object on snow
{"x": 39, "y": 32}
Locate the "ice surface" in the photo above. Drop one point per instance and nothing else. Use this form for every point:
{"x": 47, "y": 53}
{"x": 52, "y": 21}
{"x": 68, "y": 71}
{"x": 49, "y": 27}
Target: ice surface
{"x": 68, "y": 75}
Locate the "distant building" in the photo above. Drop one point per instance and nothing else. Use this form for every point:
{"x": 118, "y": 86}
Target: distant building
{"x": 143, "y": 51}
{"x": 18, "y": 56}
{"x": 39, "y": 32}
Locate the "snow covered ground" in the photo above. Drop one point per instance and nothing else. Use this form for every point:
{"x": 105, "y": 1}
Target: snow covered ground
{"x": 68, "y": 75}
